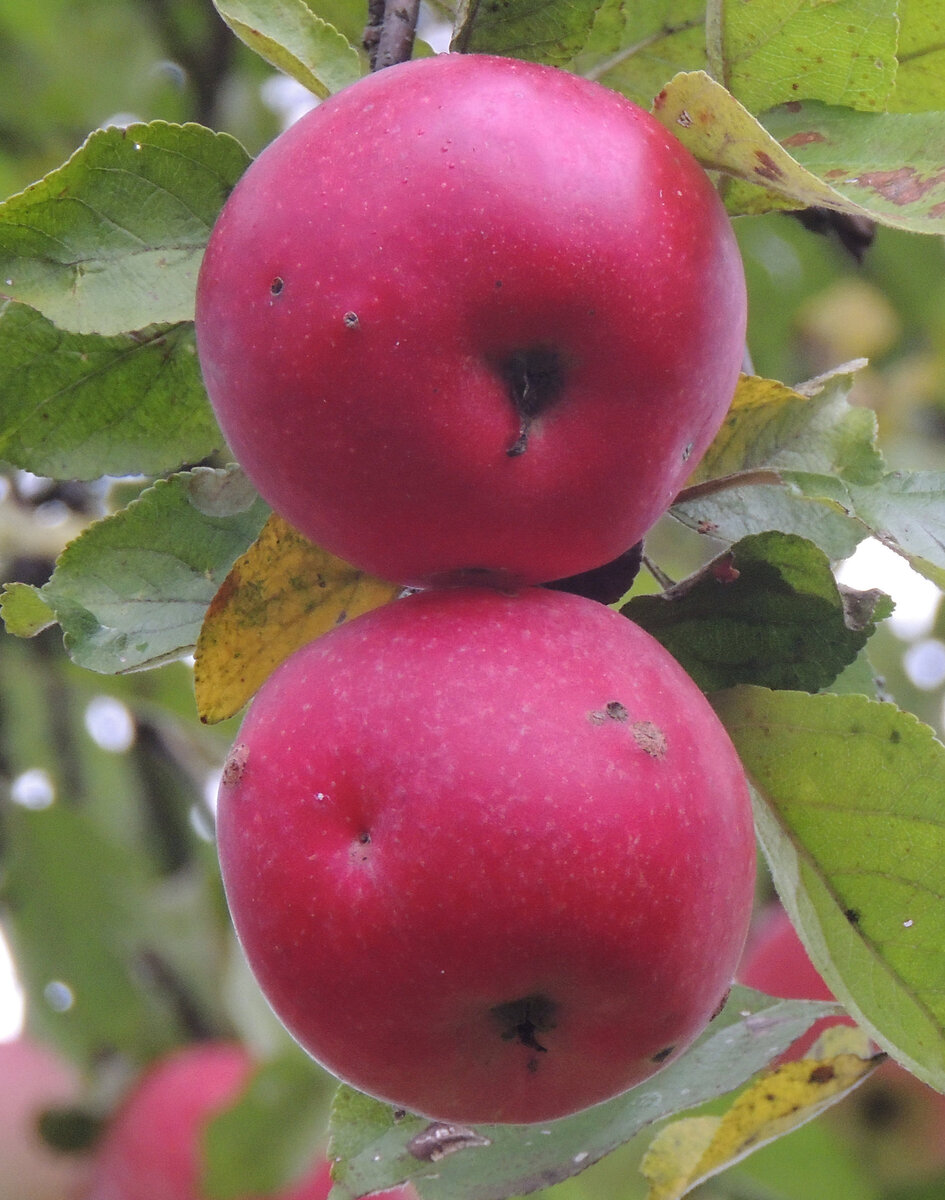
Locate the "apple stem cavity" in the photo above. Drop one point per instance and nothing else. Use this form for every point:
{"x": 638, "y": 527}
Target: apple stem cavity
{"x": 390, "y": 31}
{"x": 535, "y": 379}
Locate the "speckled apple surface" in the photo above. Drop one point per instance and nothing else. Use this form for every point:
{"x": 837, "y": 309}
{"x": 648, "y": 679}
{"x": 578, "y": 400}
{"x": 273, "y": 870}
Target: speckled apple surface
{"x": 490, "y": 856}
{"x": 472, "y": 315}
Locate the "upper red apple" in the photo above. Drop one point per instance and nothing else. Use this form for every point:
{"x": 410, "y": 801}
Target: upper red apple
{"x": 470, "y": 315}
{"x": 152, "y": 1149}
{"x": 490, "y": 856}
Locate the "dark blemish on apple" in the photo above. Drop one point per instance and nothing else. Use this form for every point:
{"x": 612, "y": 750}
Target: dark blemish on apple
{"x": 687, "y": 451}
{"x": 351, "y": 320}
{"x": 235, "y": 765}
{"x": 277, "y": 285}
{"x": 597, "y": 716}
{"x": 616, "y": 711}
{"x": 364, "y": 838}
{"x": 498, "y": 283}
{"x": 522, "y": 1020}
{"x": 650, "y": 738}
{"x": 440, "y": 1139}
{"x": 535, "y": 380}
{"x": 662, "y": 1055}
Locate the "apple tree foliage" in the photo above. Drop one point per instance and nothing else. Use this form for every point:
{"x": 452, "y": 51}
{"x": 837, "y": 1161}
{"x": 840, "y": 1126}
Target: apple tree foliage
{"x": 835, "y": 109}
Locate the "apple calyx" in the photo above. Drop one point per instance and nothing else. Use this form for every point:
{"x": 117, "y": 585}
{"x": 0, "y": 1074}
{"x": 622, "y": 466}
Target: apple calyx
{"x": 523, "y": 1019}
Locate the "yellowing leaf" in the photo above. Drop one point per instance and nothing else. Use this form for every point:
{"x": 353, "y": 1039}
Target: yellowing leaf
{"x": 280, "y": 594}
{"x": 687, "y": 1152}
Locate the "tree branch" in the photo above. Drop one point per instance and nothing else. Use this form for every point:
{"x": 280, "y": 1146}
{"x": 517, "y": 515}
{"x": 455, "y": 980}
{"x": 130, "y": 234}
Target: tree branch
{"x": 390, "y": 32}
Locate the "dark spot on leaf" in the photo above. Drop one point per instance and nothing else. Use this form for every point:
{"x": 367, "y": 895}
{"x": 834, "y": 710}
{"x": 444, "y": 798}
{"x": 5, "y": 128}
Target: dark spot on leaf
{"x": 440, "y": 1139}
{"x": 852, "y": 915}
{"x": 767, "y": 168}
{"x": 895, "y": 737}
{"x": 821, "y": 1074}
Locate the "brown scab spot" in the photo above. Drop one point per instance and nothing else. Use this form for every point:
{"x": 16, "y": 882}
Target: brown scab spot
{"x": 616, "y": 711}
{"x": 440, "y": 1139}
{"x": 650, "y": 738}
{"x": 235, "y": 765}
{"x": 767, "y": 168}
{"x": 804, "y": 139}
{"x": 903, "y": 186}
{"x": 351, "y": 320}
{"x": 277, "y": 285}
{"x": 821, "y": 1074}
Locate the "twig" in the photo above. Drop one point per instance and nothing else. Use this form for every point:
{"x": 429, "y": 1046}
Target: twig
{"x": 390, "y": 31}
{"x": 726, "y": 483}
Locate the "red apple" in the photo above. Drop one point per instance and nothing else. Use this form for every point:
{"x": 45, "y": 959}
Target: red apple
{"x": 894, "y": 1121}
{"x": 490, "y": 856}
{"x": 472, "y": 315}
{"x": 152, "y": 1149}
{"x": 33, "y": 1080}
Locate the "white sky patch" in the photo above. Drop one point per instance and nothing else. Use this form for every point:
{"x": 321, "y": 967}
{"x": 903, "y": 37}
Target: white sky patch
{"x": 873, "y": 565}
{"x": 12, "y": 1000}
{"x": 109, "y": 724}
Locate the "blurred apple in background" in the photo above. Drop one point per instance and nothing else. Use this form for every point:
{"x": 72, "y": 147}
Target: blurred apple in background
{"x": 152, "y": 1148}
{"x": 894, "y": 1122}
{"x": 33, "y": 1080}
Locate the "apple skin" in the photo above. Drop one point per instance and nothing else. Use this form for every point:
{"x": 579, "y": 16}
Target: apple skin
{"x": 391, "y": 268}
{"x": 895, "y": 1122}
{"x": 33, "y": 1079}
{"x": 152, "y": 1148}
{"x": 490, "y": 856}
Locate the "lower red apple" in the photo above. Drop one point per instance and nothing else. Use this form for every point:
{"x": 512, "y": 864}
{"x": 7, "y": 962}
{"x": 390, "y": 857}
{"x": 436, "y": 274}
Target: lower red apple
{"x": 33, "y": 1080}
{"x": 490, "y": 855}
{"x": 152, "y": 1148}
{"x": 895, "y": 1122}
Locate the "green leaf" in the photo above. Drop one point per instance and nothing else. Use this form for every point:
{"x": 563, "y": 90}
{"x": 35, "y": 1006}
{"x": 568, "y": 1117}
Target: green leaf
{"x": 739, "y": 487}
{"x": 768, "y": 612}
{"x": 379, "y": 1147}
{"x": 275, "y": 1132}
{"x": 890, "y": 166}
{"x": 920, "y": 80}
{"x": 632, "y": 48}
{"x": 903, "y": 509}
{"x": 807, "y": 153}
{"x": 78, "y": 406}
{"x": 636, "y": 48}
{"x": 849, "y": 814}
{"x": 112, "y": 240}
{"x": 133, "y": 589}
{"x": 842, "y": 53}
{"x": 289, "y": 35}
{"x": 24, "y": 611}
